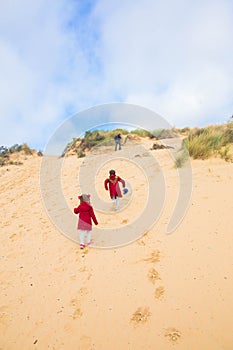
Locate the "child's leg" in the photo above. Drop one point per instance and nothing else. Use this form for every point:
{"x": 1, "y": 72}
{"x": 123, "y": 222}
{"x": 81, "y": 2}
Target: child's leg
{"x": 81, "y": 237}
{"x": 113, "y": 200}
{"x": 117, "y": 203}
{"x": 88, "y": 237}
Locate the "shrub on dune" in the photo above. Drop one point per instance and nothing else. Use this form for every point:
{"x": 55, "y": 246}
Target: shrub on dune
{"x": 210, "y": 141}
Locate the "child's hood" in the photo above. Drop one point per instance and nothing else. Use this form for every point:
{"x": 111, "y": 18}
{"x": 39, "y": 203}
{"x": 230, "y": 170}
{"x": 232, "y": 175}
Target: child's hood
{"x": 84, "y": 206}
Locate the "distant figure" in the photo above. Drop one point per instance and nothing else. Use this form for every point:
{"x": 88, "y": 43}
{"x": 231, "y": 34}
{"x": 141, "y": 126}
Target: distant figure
{"x": 117, "y": 139}
{"x": 86, "y": 214}
{"x": 111, "y": 184}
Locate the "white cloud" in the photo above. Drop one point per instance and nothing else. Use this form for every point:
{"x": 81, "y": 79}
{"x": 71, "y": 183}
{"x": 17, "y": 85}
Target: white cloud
{"x": 43, "y": 69}
{"x": 172, "y": 56}
{"x": 59, "y": 57}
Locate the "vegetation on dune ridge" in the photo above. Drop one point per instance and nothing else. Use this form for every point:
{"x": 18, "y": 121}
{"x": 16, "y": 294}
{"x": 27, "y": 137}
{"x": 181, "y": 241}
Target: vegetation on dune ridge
{"x": 106, "y": 138}
{"x": 199, "y": 143}
{"x": 214, "y": 140}
{"x": 207, "y": 142}
{"x": 13, "y": 155}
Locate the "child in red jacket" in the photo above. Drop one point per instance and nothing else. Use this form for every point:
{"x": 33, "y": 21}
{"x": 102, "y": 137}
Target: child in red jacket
{"x": 86, "y": 215}
{"x": 112, "y": 184}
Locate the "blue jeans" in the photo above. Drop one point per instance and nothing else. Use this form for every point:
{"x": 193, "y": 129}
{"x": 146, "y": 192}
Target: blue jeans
{"x": 117, "y": 143}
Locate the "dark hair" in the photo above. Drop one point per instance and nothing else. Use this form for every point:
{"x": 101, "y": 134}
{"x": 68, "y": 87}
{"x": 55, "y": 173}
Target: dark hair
{"x": 112, "y": 172}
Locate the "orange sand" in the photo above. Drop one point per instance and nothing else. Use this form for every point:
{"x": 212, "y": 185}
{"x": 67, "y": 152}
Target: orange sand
{"x": 161, "y": 292}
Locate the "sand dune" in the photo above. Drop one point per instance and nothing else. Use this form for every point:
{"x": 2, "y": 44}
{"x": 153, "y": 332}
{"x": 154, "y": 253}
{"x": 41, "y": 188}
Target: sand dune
{"x": 159, "y": 292}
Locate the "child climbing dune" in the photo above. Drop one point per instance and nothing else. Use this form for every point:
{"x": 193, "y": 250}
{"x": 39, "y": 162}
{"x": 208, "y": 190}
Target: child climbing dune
{"x": 111, "y": 184}
{"x": 86, "y": 215}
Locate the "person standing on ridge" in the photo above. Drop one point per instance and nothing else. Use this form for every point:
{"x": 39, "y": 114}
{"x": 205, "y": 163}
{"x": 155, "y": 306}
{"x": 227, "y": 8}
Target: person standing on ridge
{"x": 117, "y": 139}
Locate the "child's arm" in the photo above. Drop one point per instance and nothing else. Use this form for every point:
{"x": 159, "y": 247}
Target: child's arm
{"x": 106, "y": 184}
{"x": 93, "y": 216}
{"x": 76, "y": 210}
{"x": 122, "y": 181}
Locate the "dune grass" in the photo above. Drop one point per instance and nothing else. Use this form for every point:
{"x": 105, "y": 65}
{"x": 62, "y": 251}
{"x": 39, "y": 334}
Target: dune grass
{"x": 199, "y": 143}
{"x": 106, "y": 138}
{"x": 92, "y": 139}
{"x": 181, "y": 158}
{"x": 203, "y": 143}
{"x": 7, "y": 153}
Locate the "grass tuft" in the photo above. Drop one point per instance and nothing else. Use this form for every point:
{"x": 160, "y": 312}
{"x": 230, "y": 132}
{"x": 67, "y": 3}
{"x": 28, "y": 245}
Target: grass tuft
{"x": 203, "y": 143}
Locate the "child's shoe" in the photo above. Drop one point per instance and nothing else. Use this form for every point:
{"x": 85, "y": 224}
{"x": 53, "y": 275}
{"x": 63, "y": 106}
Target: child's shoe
{"x": 82, "y": 246}
{"x": 89, "y": 243}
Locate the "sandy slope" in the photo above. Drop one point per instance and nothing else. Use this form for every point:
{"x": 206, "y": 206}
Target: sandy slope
{"x": 160, "y": 292}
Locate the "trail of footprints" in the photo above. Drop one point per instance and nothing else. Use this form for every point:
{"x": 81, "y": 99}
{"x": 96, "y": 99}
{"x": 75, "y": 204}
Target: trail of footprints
{"x": 83, "y": 291}
{"x": 142, "y": 314}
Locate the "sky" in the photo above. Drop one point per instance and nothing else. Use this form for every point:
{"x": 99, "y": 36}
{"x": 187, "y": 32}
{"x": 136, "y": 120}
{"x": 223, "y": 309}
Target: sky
{"x": 61, "y": 57}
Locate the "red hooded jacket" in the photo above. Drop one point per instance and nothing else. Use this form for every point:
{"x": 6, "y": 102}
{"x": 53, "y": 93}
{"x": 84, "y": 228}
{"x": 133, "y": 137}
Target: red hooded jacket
{"x": 86, "y": 214}
{"x": 112, "y": 184}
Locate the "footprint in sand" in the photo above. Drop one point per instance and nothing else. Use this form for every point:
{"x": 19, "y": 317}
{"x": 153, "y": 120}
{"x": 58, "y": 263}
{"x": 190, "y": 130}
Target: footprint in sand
{"x": 172, "y": 334}
{"x": 73, "y": 277}
{"x": 141, "y": 242}
{"x": 83, "y": 291}
{"x": 85, "y": 251}
{"x": 77, "y": 313}
{"x": 141, "y": 315}
{"x": 159, "y": 292}
{"x": 84, "y": 269}
{"x": 154, "y": 257}
{"x": 13, "y": 237}
{"x": 4, "y": 317}
{"x": 153, "y": 275}
{"x": 85, "y": 342}
{"x": 74, "y": 301}
{"x": 68, "y": 328}
{"x": 89, "y": 276}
